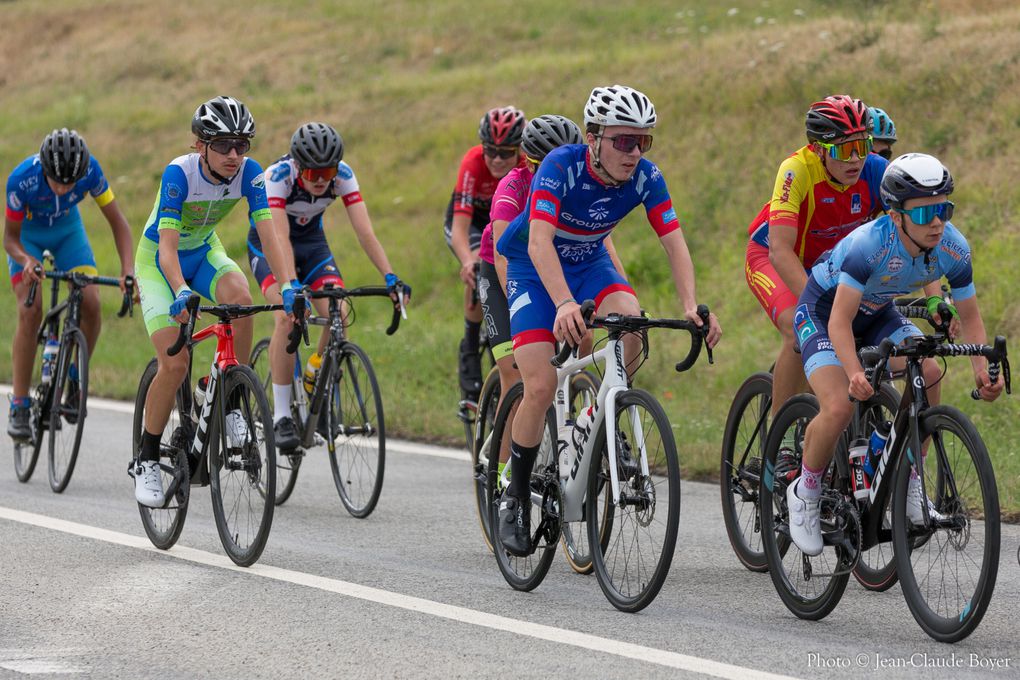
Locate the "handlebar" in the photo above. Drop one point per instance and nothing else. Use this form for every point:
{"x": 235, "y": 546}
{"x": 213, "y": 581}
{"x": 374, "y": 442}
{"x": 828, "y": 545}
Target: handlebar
{"x": 184, "y": 334}
{"x": 330, "y": 291}
{"x": 223, "y": 312}
{"x": 81, "y": 280}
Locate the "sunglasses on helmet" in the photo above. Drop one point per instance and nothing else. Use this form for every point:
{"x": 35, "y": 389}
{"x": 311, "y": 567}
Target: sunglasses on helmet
{"x": 223, "y": 146}
{"x": 843, "y": 151}
{"x": 503, "y": 152}
{"x": 627, "y": 143}
{"x": 924, "y": 214}
{"x": 318, "y": 174}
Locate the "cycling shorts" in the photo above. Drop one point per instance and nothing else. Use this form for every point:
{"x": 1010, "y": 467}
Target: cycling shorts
{"x": 313, "y": 261}
{"x": 533, "y": 313}
{"x": 65, "y": 239}
{"x": 495, "y": 311}
{"x": 202, "y": 268}
{"x": 765, "y": 282}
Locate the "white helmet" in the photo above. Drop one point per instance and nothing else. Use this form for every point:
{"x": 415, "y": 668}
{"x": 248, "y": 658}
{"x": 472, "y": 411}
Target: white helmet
{"x": 619, "y": 105}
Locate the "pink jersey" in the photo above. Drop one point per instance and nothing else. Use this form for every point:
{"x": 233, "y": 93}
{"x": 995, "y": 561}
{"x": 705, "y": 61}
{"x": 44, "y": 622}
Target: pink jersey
{"x": 509, "y": 200}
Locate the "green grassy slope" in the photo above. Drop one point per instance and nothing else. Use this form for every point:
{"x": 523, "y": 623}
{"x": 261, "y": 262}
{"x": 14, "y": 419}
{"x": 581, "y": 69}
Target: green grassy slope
{"x": 406, "y": 82}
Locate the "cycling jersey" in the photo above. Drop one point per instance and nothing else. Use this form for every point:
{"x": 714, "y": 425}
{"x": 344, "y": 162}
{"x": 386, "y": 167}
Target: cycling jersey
{"x": 190, "y": 203}
{"x": 472, "y": 196}
{"x": 508, "y": 202}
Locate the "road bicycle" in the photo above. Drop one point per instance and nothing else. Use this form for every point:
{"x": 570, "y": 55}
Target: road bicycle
{"x": 59, "y": 403}
{"x": 345, "y": 401}
{"x": 623, "y": 481}
{"x": 220, "y": 436}
{"x": 947, "y": 564}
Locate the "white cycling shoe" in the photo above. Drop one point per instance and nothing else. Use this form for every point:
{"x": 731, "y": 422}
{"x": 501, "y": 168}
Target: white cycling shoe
{"x": 237, "y": 429}
{"x": 805, "y": 530}
{"x": 914, "y": 500}
{"x": 149, "y": 484}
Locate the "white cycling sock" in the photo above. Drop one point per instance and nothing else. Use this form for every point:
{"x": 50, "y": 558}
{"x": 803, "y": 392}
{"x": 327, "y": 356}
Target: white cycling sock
{"x": 281, "y": 401}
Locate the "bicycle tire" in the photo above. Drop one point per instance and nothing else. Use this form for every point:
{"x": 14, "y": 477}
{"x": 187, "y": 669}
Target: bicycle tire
{"x": 737, "y": 488}
{"x": 975, "y": 524}
{"x": 521, "y": 573}
{"x": 584, "y": 389}
{"x": 355, "y": 419}
{"x": 795, "y": 413}
{"x": 287, "y": 464}
{"x": 163, "y": 525}
{"x": 242, "y": 475}
{"x": 624, "y": 579}
{"x": 488, "y": 402}
{"x": 67, "y": 421}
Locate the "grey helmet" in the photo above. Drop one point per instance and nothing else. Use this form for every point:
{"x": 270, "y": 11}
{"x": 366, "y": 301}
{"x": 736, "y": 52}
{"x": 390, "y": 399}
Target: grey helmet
{"x": 619, "y": 105}
{"x": 914, "y": 175}
{"x": 64, "y": 156}
{"x": 316, "y": 145}
{"x": 545, "y": 133}
{"x": 222, "y": 117}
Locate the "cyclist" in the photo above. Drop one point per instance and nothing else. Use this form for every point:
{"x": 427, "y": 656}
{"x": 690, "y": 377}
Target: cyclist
{"x": 822, "y": 192}
{"x": 300, "y": 186}
{"x": 43, "y": 193}
{"x": 180, "y": 253}
{"x": 850, "y": 293}
{"x": 556, "y": 255}
{"x": 883, "y": 131}
{"x": 500, "y": 132}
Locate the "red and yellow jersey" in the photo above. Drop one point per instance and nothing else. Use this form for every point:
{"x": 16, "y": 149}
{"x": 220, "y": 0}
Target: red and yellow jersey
{"x": 806, "y": 198}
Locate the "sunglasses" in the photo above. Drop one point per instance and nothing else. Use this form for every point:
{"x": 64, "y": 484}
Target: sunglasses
{"x": 843, "y": 151}
{"x": 627, "y": 143}
{"x": 923, "y": 215}
{"x": 503, "y": 152}
{"x": 318, "y": 174}
{"x": 223, "y": 146}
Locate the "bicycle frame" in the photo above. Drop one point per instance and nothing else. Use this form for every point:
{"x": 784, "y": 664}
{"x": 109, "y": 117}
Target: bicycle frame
{"x": 311, "y": 410}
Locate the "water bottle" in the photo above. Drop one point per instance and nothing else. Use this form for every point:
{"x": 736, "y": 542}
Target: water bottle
{"x": 876, "y": 446}
{"x": 49, "y": 358}
{"x": 565, "y": 448}
{"x": 860, "y": 480}
{"x": 200, "y": 390}
{"x": 582, "y": 428}
{"x": 311, "y": 372}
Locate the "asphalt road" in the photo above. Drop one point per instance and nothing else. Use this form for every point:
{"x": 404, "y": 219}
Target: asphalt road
{"x": 411, "y": 592}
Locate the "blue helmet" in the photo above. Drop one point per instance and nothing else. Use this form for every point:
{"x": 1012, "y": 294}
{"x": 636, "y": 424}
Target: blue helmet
{"x": 883, "y": 128}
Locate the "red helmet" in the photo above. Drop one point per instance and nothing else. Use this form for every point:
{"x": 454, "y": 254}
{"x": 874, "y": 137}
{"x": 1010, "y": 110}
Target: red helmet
{"x": 503, "y": 126}
{"x": 836, "y": 116}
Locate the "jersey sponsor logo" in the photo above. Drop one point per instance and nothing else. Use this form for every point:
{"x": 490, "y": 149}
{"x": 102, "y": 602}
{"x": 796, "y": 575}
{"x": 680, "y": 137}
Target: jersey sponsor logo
{"x": 599, "y": 210}
{"x": 828, "y": 232}
{"x": 545, "y": 206}
{"x": 549, "y": 183}
{"x": 954, "y": 250}
{"x": 594, "y": 226}
{"x": 669, "y": 216}
{"x": 829, "y": 199}
{"x": 586, "y": 186}
{"x": 330, "y": 268}
{"x": 279, "y": 172}
{"x": 787, "y": 183}
{"x": 803, "y": 326}
{"x": 875, "y": 257}
{"x": 173, "y": 191}
{"x": 344, "y": 171}
{"x": 29, "y": 183}
{"x": 856, "y": 205}
{"x": 656, "y": 173}
{"x": 575, "y": 252}
{"x": 894, "y": 264}
{"x": 259, "y": 181}
{"x": 15, "y": 202}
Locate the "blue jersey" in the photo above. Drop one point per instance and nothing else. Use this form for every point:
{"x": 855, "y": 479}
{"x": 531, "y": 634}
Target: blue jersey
{"x": 873, "y": 260}
{"x": 30, "y": 199}
{"x": 566, "y": 193}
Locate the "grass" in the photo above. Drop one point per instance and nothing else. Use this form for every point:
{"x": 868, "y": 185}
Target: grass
{"x": 405, "y": 82}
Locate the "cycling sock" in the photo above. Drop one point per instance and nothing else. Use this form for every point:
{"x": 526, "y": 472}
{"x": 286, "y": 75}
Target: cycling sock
{"x": 522, "y": 460}
{"x": 281, "y": 402}
{"x": 810, "y": 485}
{"x": 21, "y": 402}
{"x": 471, "y": 331}
{"x": 150, "y": 446}
{"x": 72, "y": 372}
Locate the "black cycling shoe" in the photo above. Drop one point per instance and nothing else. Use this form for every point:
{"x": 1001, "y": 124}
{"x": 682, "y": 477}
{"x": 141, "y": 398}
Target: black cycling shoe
{"x": 515, "y": 525}
{"x": 470, "y": 370}
{"x": 17, "y": 424}
{"x": 285, "y": 434}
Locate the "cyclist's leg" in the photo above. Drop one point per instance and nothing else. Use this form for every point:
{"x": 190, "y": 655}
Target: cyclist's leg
{"x": 317, "y": 268}
{"x": 497, "y": 322}
{"x": 218, "y": 278}
{"x": 601, "y": 282}
{"x": 24, "y": 342}
{"x": 469, "y": 362}
{"x": 281, "y": 364}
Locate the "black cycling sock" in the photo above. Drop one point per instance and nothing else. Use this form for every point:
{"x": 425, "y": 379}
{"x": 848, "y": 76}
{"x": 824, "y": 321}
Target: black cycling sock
{"x": 522, "y": 460}
{"x": 150, "y": 446}
{"x": 471, "y": 331}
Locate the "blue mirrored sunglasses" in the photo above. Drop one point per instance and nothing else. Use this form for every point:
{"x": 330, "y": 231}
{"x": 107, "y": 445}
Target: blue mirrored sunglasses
{"x": 924, "y": 214}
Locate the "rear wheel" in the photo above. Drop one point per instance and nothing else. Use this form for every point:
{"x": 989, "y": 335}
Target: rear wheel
{"x": 287, "y": 463}
{"x": 67, "y": 408}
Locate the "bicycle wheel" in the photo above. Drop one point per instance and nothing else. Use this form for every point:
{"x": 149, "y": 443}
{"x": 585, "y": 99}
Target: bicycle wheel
{"x": 810, "y": 587}
{"x": 481, "y": 448}
{"x": 584, "y": 389}
{"x": 67, "y": 408}
{"x": 357, "y": 441}
{"x": 747, "y": 426}
{"x": 287, "y": 463}
{"x": 163, "y": 525}
{"x": 876, "y": 569}
{"x": 948, "y": 570}
{"x": 527, "y": 572}
{"x": 242, "y": 466}
{"x": 26, "y": 452}
{"x": 638, "y": 535}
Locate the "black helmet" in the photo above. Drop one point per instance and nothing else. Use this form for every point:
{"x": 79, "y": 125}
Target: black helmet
{"x": 914, "y": 175}
{"x": 316, "y": 145}
{"x": 222, "y": 117}
{"x": 64, "y": 156}
{"x": 836, "y": 116}
{"x": 545, "y": 133}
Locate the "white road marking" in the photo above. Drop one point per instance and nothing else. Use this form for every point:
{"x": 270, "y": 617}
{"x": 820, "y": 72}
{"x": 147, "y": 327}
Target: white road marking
{"x": 438, "y": 609}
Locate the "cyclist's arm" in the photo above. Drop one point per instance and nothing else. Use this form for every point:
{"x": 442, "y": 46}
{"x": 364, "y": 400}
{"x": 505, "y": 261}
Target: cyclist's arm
{"x": 841, "y": 318}
{"x": 281, "y": 227}
{"x": 461, "y": 244}
{"x": 617, "y": 262}
{"x": 169, "y": 260}
{"x": 276, "y": 251}
{"x": 783, "y": 256}
{"x": 498, "y": 229}
{"x": 974, "y": 331}
{"x": 12, "y": 244}
{"x": 121, "y": 237}
{"x": 362, "y": 225}
{"x": 682, "y": 267}
{"x": 568, "y": 326}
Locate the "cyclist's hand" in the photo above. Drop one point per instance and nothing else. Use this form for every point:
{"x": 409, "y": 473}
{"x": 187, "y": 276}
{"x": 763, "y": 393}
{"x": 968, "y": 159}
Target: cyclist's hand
{"x": 29, "y": 275}
{"x": 954, "y": 327}
{"x": 860, "y": 387}
{"x": 569, "y": 325}
{"x": 177, "y": 307}
{"x": 988, "y": 390}
{"x": 396, "y": 287}
{"x": 289, "y": 292}
{"x": 467, "y": 271}
{"x": 714, "y": 329}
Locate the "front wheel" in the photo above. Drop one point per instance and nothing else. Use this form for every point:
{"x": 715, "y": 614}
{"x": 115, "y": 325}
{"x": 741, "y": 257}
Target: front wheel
{"x": 634, "y": 538}
{"x": 355, "y": 431}
{"x": 67, "y": 408}
{"x": 287, "y": 463}
{"x": 242, "y": 466}
{"x": 948, "y": 568}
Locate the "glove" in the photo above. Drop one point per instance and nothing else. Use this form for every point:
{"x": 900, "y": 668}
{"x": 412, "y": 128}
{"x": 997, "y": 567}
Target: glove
{"x": 290, "y": 291}
{"x": 177, "y": 306}
{"x": 395, "y": 286}
{"x": 933, "y": 303}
